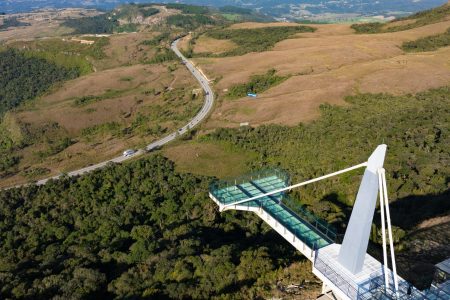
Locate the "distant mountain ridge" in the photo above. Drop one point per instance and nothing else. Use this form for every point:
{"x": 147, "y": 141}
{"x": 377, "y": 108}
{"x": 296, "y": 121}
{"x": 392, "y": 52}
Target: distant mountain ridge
{"x": 289, "y": 9}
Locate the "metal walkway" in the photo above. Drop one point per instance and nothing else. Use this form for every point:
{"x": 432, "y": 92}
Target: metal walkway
{"x": 228, "y": 193}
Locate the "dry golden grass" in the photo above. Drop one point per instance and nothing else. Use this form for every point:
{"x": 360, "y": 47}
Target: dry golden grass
{"x": 207, "y": 44}
{"x": 183, "y": 44}
{"x": 44, "y": 24}
{"x": 59, "y": 106}
{"x": 39, "y": 29}
{"x": 125, "y": 49}
{"x": 326, "y": 66}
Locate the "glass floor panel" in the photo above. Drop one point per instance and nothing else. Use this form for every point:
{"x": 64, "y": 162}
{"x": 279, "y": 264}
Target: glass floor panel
{"x": 272, "y": 205}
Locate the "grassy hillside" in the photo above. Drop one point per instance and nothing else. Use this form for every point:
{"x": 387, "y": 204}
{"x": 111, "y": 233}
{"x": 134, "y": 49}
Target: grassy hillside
{"x": 429, "y": 43}
{"x": 139, "y": 230}
{"x": 65, "y": 52}
{"x": 128, "y": 17}
{"x": 112, "y": 21}
{"x": 413, "y": 21}
{"x": 253, "y": 40}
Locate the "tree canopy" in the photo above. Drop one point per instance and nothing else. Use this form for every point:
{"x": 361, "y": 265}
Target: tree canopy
{"x": 23, "y": 78}
{"x": 139, "y": 230}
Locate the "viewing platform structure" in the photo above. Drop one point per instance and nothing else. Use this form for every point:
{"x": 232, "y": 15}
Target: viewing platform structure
{"x": 347, "y": 271}
{"x": 304, "y": 231}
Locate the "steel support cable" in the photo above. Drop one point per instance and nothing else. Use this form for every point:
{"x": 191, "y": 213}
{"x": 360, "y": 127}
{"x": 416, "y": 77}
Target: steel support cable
{"x": 364, "y": 164}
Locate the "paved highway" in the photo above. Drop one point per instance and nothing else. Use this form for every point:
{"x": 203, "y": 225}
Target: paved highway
{"x": 201, "y": 115}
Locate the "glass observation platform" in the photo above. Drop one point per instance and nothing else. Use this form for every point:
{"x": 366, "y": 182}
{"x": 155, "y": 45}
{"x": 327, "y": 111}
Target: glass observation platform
{"x": 312, "y": 231}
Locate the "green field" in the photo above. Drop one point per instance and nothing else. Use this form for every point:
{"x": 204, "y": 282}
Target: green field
{"x": 219, "y": 159}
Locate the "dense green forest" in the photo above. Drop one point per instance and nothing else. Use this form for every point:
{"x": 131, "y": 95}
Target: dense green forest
{"x": 422, "y": 18}
{"x": 257, "y": 84}
{"x": 101, "y": 24}
{"x": 23, "y": 78}
{"x": 190, "y": 22}
{"x": 147, "y": 12}
{"x": 188, "y": 9}
{"x": 256, "y": 40}
{"x": 235, "y": 10}
{"x": 109, "y": 22}
{"x": 134, "y": 231}
{"x": 429, "y": 43}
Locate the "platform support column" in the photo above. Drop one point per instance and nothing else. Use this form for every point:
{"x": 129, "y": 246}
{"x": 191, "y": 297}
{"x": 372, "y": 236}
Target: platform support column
{"x": 388, "y": 218}
{"x": 383, "y": 231}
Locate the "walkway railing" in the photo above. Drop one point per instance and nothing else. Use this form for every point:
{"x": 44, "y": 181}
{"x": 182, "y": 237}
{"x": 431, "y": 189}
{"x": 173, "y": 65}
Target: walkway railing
{"x": 406, "y": 291}
{"x": 224, "y": 183}
{"x": 313, "y": 241}
{"x": 231, "y": 191}
{"x": 320, "y": 225}
{"x": 342, "y": 283}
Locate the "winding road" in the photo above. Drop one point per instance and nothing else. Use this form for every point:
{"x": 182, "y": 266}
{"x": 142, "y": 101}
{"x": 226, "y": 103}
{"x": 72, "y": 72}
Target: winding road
{"x": 201, "y": 115}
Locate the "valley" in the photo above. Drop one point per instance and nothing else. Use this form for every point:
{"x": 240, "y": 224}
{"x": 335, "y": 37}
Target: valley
{"x": 205, "y": 93}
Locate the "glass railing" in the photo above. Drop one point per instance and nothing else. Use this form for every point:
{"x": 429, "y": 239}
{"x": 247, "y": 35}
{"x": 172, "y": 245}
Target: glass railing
{"x": 344, "y": 285}
{"x": 221, "y": 184}
{"x": 227, "y": 191}
{"x": 328, "y": 230}
{"x": 296, "y": 226}
{"x": 316, "y": 233}
{"x": 406, "y": 291}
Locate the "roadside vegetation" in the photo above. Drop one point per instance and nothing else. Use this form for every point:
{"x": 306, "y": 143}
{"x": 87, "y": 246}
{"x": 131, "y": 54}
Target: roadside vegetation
{"x": 257, "y": 84}
{"x": 255, "y": 40}
{"x": 413, "y": 21}
{"x": 163, "y": 55}
{"x": 143, "y": 231}
{"x": 429, "y": 43}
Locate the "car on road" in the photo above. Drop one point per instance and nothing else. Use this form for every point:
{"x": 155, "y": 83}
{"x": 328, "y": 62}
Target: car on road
{"x": 129, "y": 152}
